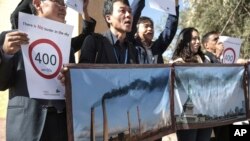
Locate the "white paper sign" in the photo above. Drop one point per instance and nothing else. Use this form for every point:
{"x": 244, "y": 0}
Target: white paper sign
{"x": 75, "y": 4}
{"x": 167, "y": 6}
{"x": 231, "y": 49}
{"x": 48, "y": 50}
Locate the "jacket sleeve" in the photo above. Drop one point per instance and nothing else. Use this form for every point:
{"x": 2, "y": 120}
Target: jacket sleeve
{"x": 6, "y": 67}
{"x": 88, "y": 50}
{"x": 137, "y": 7}
{"x": 167, "y": 35}
{"x": 88, "y": 27}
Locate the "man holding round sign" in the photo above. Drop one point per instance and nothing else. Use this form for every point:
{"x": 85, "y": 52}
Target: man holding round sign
{"x": 214, "y": 45}
{"x": 31, "y": 118}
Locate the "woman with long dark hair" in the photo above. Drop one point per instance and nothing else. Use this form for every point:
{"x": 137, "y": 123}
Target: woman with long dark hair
{"x": 188, "y": 50}
{"x": 188, "y": 47}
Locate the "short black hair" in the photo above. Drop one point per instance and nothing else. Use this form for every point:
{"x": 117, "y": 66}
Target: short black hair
{"x": 144, "y": 19}
{"x": 23, "y": 6}
{"x": 206, "y": 36}
{"x": 108, "y": 7}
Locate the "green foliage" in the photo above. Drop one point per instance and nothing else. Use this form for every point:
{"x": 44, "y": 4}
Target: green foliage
{"x": 222, "y": 16}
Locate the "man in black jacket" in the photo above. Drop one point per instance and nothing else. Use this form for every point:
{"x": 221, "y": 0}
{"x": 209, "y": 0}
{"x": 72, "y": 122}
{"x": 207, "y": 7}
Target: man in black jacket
{"x": 214, "y": 49}
{"x": 149, "y": 51}
{"x": 28, "y": 118}
{"x": 113, "y": 48}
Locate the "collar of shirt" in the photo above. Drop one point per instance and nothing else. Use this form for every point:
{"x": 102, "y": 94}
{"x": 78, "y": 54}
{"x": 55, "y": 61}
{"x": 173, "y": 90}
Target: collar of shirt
{"x": 114, "y": 40}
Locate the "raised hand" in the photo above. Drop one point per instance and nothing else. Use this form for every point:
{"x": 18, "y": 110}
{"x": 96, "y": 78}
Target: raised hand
{"x": 85, "y": 5}
{"x": 85, "y": 14}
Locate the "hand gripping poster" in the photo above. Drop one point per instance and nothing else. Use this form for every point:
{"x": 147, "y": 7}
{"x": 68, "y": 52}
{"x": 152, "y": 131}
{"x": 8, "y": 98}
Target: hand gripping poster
{"x": 47, "y": 51}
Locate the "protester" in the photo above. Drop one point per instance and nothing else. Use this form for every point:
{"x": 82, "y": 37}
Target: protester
{"x": 188, "y": 50}
{"x": 213, "y": 48}
{"x": 88, "y": 22}
{"x": 28, "y": 118}
{"x": 112, "y": 47}
{"x": 149, "y": 51}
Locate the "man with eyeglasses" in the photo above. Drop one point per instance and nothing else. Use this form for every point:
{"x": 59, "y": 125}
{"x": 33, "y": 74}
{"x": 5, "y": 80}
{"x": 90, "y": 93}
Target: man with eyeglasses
{"x": 25, "y": 6}
{"x": 34, "y": 119}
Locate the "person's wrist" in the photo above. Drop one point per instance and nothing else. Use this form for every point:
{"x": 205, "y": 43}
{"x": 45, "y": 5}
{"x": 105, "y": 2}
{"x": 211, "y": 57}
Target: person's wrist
{"x": 85, "y": 10}
{"x": 4, "y": 55}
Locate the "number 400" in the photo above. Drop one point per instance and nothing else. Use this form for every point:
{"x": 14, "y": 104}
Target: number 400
{"x": 45, "y": 58}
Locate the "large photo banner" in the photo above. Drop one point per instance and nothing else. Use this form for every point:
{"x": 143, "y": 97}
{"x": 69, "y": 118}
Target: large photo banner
{"x": 113, "y": 102}
{"x": 147, "y": 102}
{"x": 208, "y": 96}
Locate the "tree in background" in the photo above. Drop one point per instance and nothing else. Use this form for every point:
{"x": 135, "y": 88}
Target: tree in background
{"x": 230, "y": 17}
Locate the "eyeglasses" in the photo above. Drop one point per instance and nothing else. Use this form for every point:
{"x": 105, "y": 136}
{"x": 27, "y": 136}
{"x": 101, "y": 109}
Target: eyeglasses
{"x": 58, "y": 2}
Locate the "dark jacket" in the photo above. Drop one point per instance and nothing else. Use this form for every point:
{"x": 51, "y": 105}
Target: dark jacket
{"x": 212, "y": 57}
{"x": 25, "y": 116}
{"x": 100, "y": 49}
{"x": 161, "y": 43}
